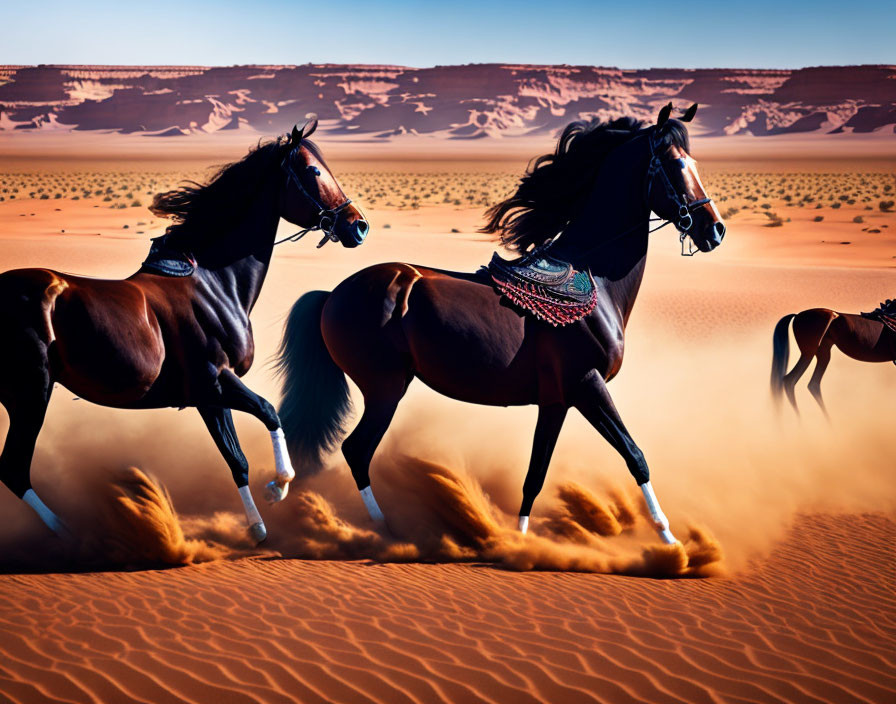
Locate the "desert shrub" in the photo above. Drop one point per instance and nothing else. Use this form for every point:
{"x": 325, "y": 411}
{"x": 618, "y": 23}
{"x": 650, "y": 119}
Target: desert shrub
{"x": 818, "y": 218}
{"x": 886, "y": 205}
{"x": 858, "y": 218}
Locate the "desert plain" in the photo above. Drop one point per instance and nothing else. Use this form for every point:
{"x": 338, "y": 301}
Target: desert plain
{"x": 783, "y": 589}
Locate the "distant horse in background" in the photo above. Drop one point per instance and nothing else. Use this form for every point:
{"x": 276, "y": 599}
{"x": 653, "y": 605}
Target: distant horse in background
{"x": 389, "y": 323}
{"x": 816, "y": 332}
{"x": 176, "y": 333}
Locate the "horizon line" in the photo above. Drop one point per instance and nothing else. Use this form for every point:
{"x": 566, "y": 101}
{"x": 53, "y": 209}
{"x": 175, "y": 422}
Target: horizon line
{"x": 434, "y": 66}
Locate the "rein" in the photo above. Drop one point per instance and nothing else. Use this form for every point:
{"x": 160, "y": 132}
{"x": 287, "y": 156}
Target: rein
{"x": 326, "y": 216}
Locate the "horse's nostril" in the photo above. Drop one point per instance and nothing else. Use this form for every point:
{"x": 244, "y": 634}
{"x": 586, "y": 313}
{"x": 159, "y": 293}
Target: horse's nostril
{"x": 720, "y": 230}
{"x": 361, "y": 226}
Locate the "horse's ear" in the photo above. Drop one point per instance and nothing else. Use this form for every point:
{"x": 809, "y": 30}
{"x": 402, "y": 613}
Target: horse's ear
{"x": 310, "y": 125}
{"x": 664, "y": 115}
{"x": 689, "y": 113}
{"x": 296, "y": 135}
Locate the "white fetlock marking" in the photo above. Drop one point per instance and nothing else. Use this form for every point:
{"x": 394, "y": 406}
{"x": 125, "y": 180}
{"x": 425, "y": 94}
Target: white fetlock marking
{"x": 252, "y": 514}
{"x": 524, "y": 524}
{"x": 274, "y": 491}
{"x": 667, "y": 537}
{"x": 372, "y": 506}
{"x": 46, "y": 515}
{"x": 285, "y": 472}
{"x": 660, "y": 522}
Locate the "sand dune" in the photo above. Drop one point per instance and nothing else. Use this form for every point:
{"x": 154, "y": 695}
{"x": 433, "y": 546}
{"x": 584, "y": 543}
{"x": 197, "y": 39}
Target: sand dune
{"x": 812, "y": 622}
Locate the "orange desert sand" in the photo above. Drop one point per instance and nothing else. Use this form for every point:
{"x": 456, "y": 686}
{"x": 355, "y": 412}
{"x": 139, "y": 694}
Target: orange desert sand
{"x": 782, "y": 591}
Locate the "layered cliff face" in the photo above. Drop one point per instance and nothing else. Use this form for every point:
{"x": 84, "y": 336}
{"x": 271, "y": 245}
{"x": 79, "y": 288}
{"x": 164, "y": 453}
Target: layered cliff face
{"x": 460, "y": 102}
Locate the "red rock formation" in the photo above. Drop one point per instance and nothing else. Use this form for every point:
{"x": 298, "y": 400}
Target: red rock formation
{"x": 460, "y": 101}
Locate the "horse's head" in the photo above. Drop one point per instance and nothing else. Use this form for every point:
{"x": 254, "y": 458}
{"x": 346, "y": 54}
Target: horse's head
{"x": 674, "y": 189}
{"x": 312, "y": 198}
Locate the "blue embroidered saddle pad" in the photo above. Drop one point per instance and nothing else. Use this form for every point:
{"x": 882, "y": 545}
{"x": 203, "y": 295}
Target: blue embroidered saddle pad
{"x": 168, "y": 261}
{"x": 548, "y": 288}
{"x": 885, "y": 313}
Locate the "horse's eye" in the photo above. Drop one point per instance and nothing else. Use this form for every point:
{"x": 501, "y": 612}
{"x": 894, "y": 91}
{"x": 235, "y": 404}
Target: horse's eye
{"x": 314, "y": 170}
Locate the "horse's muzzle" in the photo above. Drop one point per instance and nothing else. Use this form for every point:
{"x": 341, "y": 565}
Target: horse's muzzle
{"x": 353, "y": 234}
{"x": 714, "y": 237}
{"x": 358, "y": 231}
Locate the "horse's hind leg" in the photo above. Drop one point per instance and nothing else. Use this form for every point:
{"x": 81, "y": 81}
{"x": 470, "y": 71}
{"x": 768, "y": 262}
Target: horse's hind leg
{"x": 594, "y": 402}
{"x": 793, "y": 376}
{"x": 236, "y": 395}
{"x": 547, "y": 429}
{"x": 360, "y": 446}
{"x": 219, "y": 422}
{"x": 824, "y": 358}
{"x": 26, "y": 396}
{"x": 809, "y": 330}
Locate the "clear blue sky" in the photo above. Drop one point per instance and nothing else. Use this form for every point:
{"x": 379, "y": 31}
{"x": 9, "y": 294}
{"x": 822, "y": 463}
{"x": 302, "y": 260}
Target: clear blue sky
{"x": 671, "y": 33}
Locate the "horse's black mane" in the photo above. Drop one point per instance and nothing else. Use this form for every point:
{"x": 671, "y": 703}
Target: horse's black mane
{"x": 200, "y": 212}
{"x": 554, "y": 184}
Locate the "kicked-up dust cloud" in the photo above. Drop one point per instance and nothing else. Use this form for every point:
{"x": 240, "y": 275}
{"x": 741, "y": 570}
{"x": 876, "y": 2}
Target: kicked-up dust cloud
{"x": 135, "y": 525}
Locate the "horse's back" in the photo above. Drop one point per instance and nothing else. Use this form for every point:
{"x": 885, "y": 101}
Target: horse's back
{"x": 861, "y": 338}
{"x": 864, "y": 339}
{"x": 447, "y": 328}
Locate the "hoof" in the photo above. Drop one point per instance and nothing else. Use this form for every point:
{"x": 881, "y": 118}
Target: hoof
{"x": 275, "y": 492}
{"x": 258, "y": 532}
{"x": 524, "y": 524}
{"x": 667, "y": 537}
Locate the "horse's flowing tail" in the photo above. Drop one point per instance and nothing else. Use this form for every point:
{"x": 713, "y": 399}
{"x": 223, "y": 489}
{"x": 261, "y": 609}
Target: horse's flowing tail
{"x": 781, "y": 355}
{"x": 316, "y": 399}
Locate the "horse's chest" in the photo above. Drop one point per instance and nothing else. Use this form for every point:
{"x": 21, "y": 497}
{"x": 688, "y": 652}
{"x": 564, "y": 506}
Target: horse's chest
{"x": 228, "y": 334}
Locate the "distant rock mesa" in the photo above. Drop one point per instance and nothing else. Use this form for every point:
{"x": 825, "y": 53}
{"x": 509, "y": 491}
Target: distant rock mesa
{"x": 458, "y": 102}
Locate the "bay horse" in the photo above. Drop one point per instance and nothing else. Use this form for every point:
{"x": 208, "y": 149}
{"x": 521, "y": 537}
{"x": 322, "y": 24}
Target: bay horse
{"x": 389, "y": 323}
{"x": 816, "y": 332}
{"x": 155, "y": 341}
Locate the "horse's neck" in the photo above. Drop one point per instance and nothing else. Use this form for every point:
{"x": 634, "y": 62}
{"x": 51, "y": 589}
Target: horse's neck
{"x": 610, "y": 235}
{"x": 624, "y": 291}
{"x": 238, "y": 261}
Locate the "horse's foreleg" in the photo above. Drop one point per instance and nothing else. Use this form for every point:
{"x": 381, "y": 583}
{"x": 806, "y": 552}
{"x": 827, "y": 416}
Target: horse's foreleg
{"x": 547, "y": 430}
{"x": 236, "y": 395}
{"x": 594, "y": 402}
{"x": 220, "y": 424}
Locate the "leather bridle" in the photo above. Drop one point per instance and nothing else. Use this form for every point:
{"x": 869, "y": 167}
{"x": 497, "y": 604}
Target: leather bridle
{"x": 685, "y": 209}
{"x": 327, "y": 217}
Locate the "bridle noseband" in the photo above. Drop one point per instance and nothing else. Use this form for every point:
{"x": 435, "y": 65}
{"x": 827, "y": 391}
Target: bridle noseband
{"x": 685, "y": 217}
{"x": 685, "y": 209}
{"x": 326, "y": 216}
